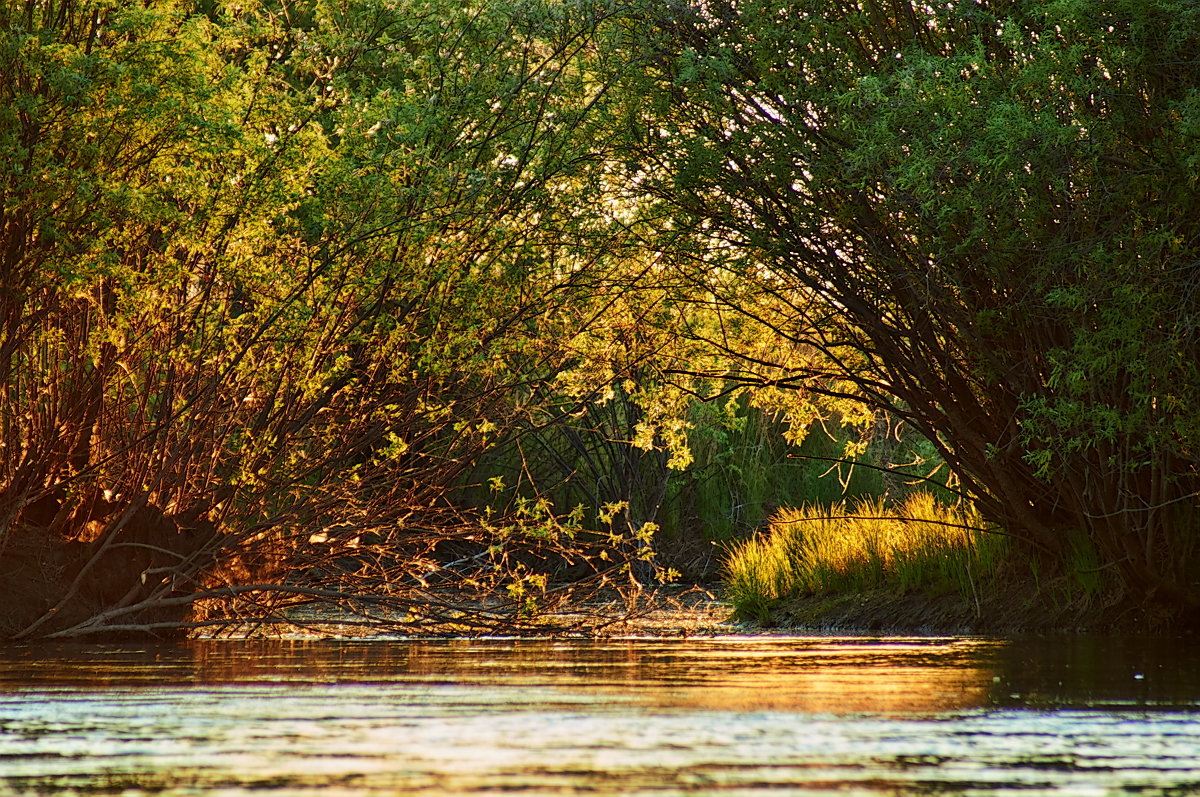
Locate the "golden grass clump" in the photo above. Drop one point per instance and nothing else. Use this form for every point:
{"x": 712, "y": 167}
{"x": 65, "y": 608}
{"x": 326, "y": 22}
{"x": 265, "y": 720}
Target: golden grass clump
{"x": 920, "y": 545}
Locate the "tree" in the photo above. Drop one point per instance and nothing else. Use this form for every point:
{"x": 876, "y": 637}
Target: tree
{"x": 985, "y": 214}
{"x": 274, "y": 275}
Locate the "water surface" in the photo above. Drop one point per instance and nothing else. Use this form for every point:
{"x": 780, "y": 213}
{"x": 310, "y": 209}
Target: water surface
{"x": 708, "y": 716}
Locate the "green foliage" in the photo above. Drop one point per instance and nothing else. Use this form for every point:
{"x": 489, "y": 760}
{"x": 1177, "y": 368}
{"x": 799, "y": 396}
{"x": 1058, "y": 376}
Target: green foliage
{"x": 274, "y": 277}
{"x": 302, "y": 292}
{"x": 745, "y": 468}
{"x": 985, "y": 215}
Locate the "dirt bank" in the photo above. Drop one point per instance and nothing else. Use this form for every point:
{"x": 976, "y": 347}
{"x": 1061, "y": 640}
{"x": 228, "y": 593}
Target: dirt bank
{"x": 667, "y": 611}
{"x": 882, "y": 611}
{"x": 690, "y": 611}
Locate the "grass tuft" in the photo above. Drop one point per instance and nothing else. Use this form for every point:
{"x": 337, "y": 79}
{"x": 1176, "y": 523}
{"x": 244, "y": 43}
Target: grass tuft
{"x": 921, "y": 546}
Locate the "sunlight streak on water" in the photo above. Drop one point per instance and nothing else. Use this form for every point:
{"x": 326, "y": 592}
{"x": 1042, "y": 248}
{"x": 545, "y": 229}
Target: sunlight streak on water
{"x": 726, "y": 716}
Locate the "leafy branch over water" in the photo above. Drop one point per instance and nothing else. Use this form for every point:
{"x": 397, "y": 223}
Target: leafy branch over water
{"x": 371, "y": 299}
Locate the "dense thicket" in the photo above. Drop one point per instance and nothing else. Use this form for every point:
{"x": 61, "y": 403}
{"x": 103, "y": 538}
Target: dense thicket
{"x": 309, "y": 299}
{"x": 986, "y": 213}
{"x": 274, "y": 274}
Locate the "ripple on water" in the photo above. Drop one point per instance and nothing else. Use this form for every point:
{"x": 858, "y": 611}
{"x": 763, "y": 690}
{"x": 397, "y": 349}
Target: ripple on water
{"x": 709, "y": 716}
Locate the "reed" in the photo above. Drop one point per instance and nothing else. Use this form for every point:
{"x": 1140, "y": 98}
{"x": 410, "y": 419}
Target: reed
{"x": 744, "y": 469}
{"x": 919, "y": 546}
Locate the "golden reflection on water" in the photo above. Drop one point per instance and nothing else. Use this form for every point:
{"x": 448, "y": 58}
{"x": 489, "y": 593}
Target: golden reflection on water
{"x": 871, "y": 716}
{"x": 843, "y": 688}
{"x": 822, "y": 675}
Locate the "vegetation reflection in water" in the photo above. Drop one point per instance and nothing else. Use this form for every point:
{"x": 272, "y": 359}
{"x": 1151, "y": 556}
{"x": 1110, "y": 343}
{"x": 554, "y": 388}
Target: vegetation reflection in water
{"x": 624, "y": 716}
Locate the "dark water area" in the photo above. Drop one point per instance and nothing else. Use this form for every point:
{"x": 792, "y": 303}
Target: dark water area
{"x": 728, "y": 715}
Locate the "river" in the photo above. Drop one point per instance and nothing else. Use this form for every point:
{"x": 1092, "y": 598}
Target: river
{"x": 724, "y": 715}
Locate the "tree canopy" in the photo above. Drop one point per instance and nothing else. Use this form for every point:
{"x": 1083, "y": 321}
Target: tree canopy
{"x": 302, "y": 298}
{"x": 274, "y": 276}
{"x": 991, "y": 206}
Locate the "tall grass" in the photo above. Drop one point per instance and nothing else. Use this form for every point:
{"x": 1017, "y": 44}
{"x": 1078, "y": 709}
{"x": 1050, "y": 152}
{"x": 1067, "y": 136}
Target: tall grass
{"x": 744, "y": 469}
{"x": 922, "y": 545}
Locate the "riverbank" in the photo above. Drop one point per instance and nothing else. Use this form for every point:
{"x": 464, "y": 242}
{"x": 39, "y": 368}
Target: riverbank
{"x": 688, "y": 611}
{"x": 694, "y": 611}
{"x": 664, "y": 611}
{"x": 1004, "y": 613}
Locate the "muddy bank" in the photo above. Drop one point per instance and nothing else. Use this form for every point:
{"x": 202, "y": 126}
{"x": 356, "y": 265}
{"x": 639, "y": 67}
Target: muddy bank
{"x": 882, "y": 611}
{"x": 666, "y": 611}
{"x": 686, "y": 611}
